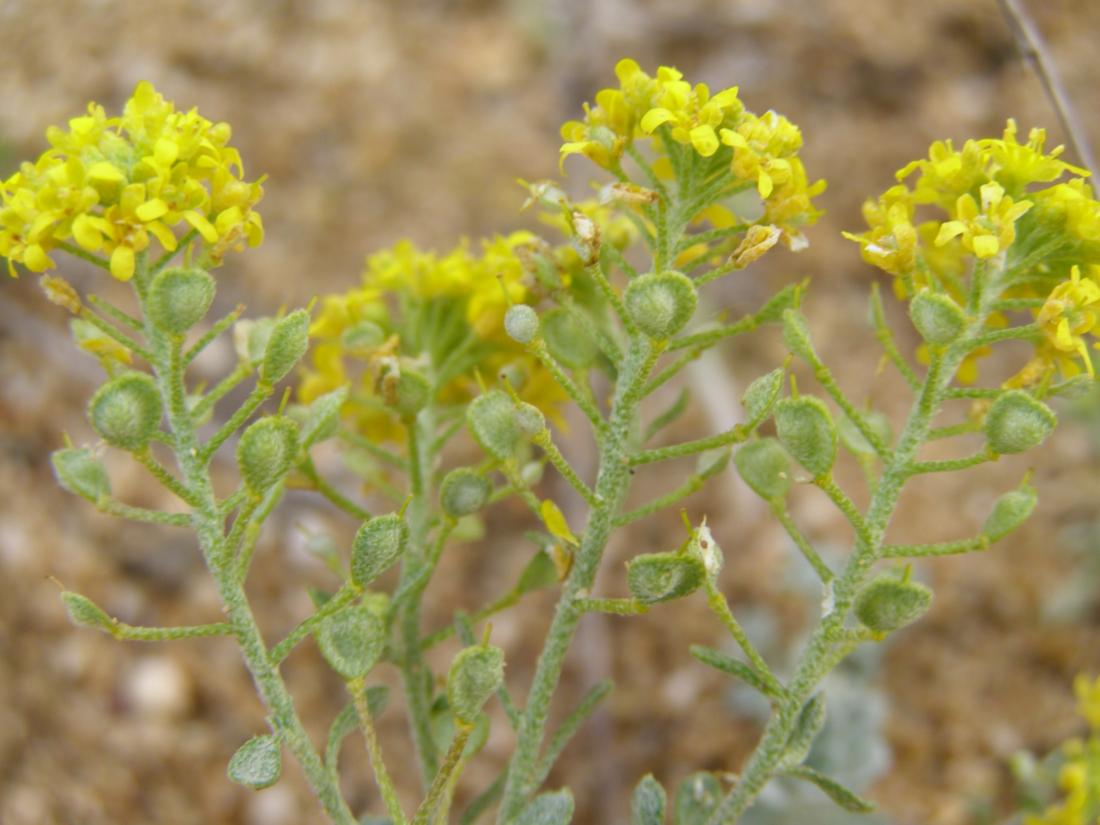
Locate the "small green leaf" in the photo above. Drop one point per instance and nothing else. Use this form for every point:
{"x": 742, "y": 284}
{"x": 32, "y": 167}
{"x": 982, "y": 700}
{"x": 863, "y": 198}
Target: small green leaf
{"x": 287, "y": 343}
{"x": 352, "y": 641}
{"x": 761, "y": 396}
{"x": 727, "y": 664}
{"x": 257, "y": 763}
{"x": 554, "y": 808}
{"x": 811, "y": 719}
{"x": 697, "y": 798}
{"x": 539, "y": 572}
{"x": 323, "y": 416}
{"x": 843, "y": 797}
{"x": 796, "y": 336}
{"x": 647, "y": 805}
{"x": 80, "y": 472}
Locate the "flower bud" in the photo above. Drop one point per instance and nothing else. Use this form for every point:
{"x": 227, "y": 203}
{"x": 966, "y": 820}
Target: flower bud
{"x": 1010, "y": 511}
{"x": 806, "y": 429}
{"x": 659, "y": 577}
{"x": 352, "y": 641}
{"x": 1017, "y": 422}
{"x": 889, "y": 603}
{"x": 257, "y": 763}
{"x": 492, "y": 419}
{"x": 266, "y": 451}
{"x": 568, "y": 340}
{"x": 761, "y": 395}
{"x": 126, "y": 411}
{"x": 521, "y": 323}
{"x": 378, "y": 544}
{"x": 464, "y": 491}
{"x": 407, "y": 391}
{"x": 530, "y": 419}
{"x": 80, "y": 472}
{"x": 938, "y": 319}
{"x": 179, "y": 298}
{"x": 764, "y": 466}
{"x": 288, "y": 343}
{"x": 796, "y": 336}
{"x": 662, "y": 303}
{"x": 86, "y": 613}
{"x": 476, "y": 674}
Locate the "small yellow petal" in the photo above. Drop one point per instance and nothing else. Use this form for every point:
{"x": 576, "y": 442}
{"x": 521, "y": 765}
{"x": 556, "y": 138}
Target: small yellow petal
{"x": 986, "y": 246}
{"x": 704, "y": 140}
{"x": 122, "y": 263}
{"x": 106, "y": 172}
{"x": 202, "y": 225}
{"x": 555, "y": 522}
{"x": 36, "y": 259}
{"x": 949, "y": 231}
{"x": 86, "y": 234}
{"x": 654, "y": 118}
{"x": 151, "y": 210}
{"x": 764, "y": 184}
{"x": 166, "y": 151}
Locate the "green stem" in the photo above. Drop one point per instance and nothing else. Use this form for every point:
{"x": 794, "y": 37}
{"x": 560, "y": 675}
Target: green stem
{"x": 348, "y": 593}
{"x": 779, "y": 509}
{"x": 443, "y": 778}
{"x": 259, "y": 394}
{"x": 219, "y": 391}
{"x": 374, "y": 749}
{"x": 334, "y": 496}
{"x": 692, "y": 485}
{"x": 546, "y": 442}
{"x": 734, "y": 435}
{"x": 616, "y": 607}
{"x": 208, "y": 337}
{"x": 945, "y": 548}
{"x": 717, "y": 603}
{"x": 130, "y": 633}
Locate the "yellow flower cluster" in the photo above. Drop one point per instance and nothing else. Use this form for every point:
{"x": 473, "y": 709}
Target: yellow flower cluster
{"x": 441, "y": 314}
{"x": 111, "y": 185}
{"x": 758, "y": 151}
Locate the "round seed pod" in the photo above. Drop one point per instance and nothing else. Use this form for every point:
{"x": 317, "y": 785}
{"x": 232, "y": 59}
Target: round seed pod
{"x": 521, "y": 322}
{"x": 407, "y": 391}
{"x": 568, "y": 340}
{"x": 661, "y": 303}
{"x": 352, "y": 641}
{"x": 530, "y": 419}
{"x": 806, "y": 429}
{"x": 1017, "y": 422}
{"x": 80, "y": 472}
{"x": 126, "y": 411}
{"x": 86, "y": 613}
{"x": 179, "y": 298}
{"x": 938, "y": 319}
{"x": 761, "y": 396}
{"x": 288, "y": 342}
{"x": 1010, "y": 511}
{"x": 889, "y": 603}
{"x": 463, "y": 492}
{"x": 257, "y": 764}
{"x": 765, "y": 468}
{"x": 379, "y": 543}
{"x": 492, "y": 419}
{"x": 266, "y": 451}
{"x": 475, "y": 675}
{"x": 659, "y": 577}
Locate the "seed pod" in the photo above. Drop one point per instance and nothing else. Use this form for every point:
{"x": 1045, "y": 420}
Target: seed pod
{"x": 86, "y": 613}
{"x": 464, "y": 491}
{"x": 407, "y": 391}
{"x": 475, "y": 675}
{"x": 521, "y": 322}
{"x": 712, "y": 462}
{"x": 796, "y": 336}
{"x": 648, "y": 802}
{"x": 806, "y": 429}
{"x": 126, "y": 411}
{"x": 659, "y": 577}
{"x": 492, "y": 419}
{"x": 761, "y": 396}
{"x": 662, "y": 303}
{"x": 363, "y": 336}
{"x": 80, "y": 472}
{"x": 257, "y": 763}
{"x": 938, "y": 319}
{"x": 1010, "y": 511}
{"x": 179, "y": 298}
{"x": 853, "y": 439}
{"x": 889, "y": 603}
{"x": 530, "y": 419}
{"x": 250, "y": 338}
{"x": 379, "y": 543}
{"x": 568, "y": 340}
{"x": 321, "y": 417}
{"x": 1017, "y": 422}
{"x": 288, "y": 343}
{"x": 765, "y": 468}
{"x": 352, "y": 641}
{"x": 266, "y": 451}
{"x": 550, "y": 808}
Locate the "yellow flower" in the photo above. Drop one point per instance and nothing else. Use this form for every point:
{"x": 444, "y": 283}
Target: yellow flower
{"x": 692, "y": 115}
{"x": 762, "y": 150}
{"x": 987, "y": 230}
{"x": 1015, "y": 165}
{"x": 891, "y": 242}
{"x": 1070, "y": 312}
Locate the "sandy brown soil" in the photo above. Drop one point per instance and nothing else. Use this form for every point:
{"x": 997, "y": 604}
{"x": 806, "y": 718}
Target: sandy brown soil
{"x": 377, "y": 121}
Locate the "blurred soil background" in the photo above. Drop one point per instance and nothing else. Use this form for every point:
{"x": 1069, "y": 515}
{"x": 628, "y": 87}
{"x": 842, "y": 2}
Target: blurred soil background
{"x": 377, "y": 121}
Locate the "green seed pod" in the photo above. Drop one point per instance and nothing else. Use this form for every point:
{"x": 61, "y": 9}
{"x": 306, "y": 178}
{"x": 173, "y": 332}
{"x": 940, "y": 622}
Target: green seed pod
{"x": 765, "y": 468}
{"x": 407, "y": 391}
{"x": 492, "y": 419}
{"x": 321, "y": 417}
{"x": 568, "y": 339}
{"x": 266, "y": 452}
{"x": 257, "y": 763}
{"x": 659, "y": 577}
{"x": 550, "y": 808}
{"x": 126, "y": 411}
{"x": 379, "y": 543}
{"x": 86, "y": 613}
{"x": 250, "y": 338}
{"x": 352, "y": 641}
{"x": 475, "y": 675}
{"x": 464, "y": 491}
{"x": 80, "y": 472}
{"x": 530, "y": 419}
{"x": 288, "y": 343}
{"x": 854, "y": 440}
{"x": 761, "y": 396}
{"x": 1010, "y": 511}
{"x": 662, "y": 303}
{"x": 889, "y": 603}
{"x": 796, "y": 336}
{"x": 179, "y": 298}
{"x": 938, "y": 319}
{"x": 1017, "y": 422}
{"x": 521, "y": 322}
{"x": 806, "y": 429}
{"x": 648, "y": 802}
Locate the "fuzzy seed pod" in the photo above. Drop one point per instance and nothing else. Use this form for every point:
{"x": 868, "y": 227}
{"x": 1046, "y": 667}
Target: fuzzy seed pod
{"x": 407, "y": 391}
{"x": 889, "y": 603}
{"x": 288, "y": 343}
{"x": 855, "y": 442}
{"x": 126, "y": 411}
{"x": 179, "y": 298}
{"x": 464, "y": 491}
{"x": 379, "y": 543}
{"x": 476, "y": 674}
{"x": 806, "y": 429}
{"x": 662, "y": 303}
{"x": 86, "y": 613}
{"x": 530, "y": 419}
{"x": 521, "y": 323}
{"x": 659, "y": 577}
{"x": 1010, "y": 511}
{"x": 938, "y": 319}
{"x": 80, "y": 472}
{"x": 765, "y": 468}
{"x": 352, "y": 641}
{"x": 1017, "y": 422}
{"x": 266, "y": 451}
{"x": 761, "y": 396}
{"x": 568, "y": 340}
{"x": 492, "y": 419}
{"x": 257, "y": 764}
{"x": 796, "y": 336}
